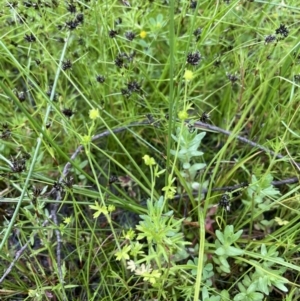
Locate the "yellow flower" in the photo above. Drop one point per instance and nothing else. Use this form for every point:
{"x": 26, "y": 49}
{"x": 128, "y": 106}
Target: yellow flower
{"x": 170, "y": 190}
{"x": 143, "y": 34}
{"x": 86, "y": 139}
{"x": 188, "y": 75}
{"x": 182, "y": 115}
{"x": 149, "y": 160}
{"x": 67, "y": 220}
{"x": 94, "y": 114}
{"x": 111, "y": 208}
{"x": 129, "y": 234}
{"x": 99, "y": 209}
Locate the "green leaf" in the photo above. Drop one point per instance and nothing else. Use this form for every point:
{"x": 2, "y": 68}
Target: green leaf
{"x": 232, "y": 251}
{"x": 263, "y": 251}
{"x": 281, "y": 286}
{"x": 220, "y": 251}
{"x": 262, "y": 284}
{"x": 236, "y": 236}
{"x": 195, "y": 153}
{"x": 186, "y": 165}
{"x": 220, "y": 236}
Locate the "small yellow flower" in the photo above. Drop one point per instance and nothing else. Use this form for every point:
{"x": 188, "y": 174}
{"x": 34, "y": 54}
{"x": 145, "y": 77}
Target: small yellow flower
{"x": 94, "y": 114}
{"x": 170, "y": 190}
{"x": 143, "y": 34}
{"x": 188, "y": 75}
{"x": 86, "y": 139}
{"x": 99, "y": 209}
{"x": 129, "y": 234}
{"x": 149, "y": 160}
{"x": 182, "y": 115}
{"x": 67, "y": 220}
{"x": 111, "y": 208}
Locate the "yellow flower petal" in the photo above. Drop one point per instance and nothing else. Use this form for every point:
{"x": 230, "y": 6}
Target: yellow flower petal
{"x": 143, "y": 34}
{"x": 94, "y": 114}
{"x": 188, "y": 75}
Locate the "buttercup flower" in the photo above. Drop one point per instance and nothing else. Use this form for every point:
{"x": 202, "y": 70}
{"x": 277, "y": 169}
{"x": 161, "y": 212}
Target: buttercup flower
{"x": 182, "y": 115}
{"x": 143, "y": 34}
{"x": 188, "y": 75}
{"x": 149, "y": 160}
{"x": 94, "y": 114}
{"x": 99, "y": 209}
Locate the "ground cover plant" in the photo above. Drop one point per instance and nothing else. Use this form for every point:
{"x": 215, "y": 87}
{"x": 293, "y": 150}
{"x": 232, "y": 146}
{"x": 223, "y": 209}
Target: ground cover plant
{"x": 149, "y": 150}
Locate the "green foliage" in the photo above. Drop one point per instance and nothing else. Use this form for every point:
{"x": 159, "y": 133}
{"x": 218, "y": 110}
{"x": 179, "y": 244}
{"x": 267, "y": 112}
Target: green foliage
{"x": 162, "y": 231}
{"x": 100, "y": 108}
{"x": 261, "y": 282}
{"x": 261, "y": 192}
{"x": 206, "y": 296}
{"x": 224, "y": 248}
{"x": 188, "y": 143}
{"x": 207, "y": 272}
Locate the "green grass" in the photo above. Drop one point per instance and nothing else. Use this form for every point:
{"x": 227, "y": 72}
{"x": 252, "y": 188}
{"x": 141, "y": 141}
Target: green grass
{"x": 139, "y": 221}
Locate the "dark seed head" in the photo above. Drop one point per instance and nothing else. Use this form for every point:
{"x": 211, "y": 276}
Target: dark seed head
{"x": 68, "y": 112}
{"x": 204, "y": 117}
{"x": 130, "y": 35}
{"x": 126, "y": 92}
{"x": 30, "y": 38}
{"x": 66, "y": 65}
{"x": 194, "y": 58}
{"x": 112, "y": 33}
{"x": 133, "y": 86}
{"x": 100, "y": 79}
{"x": 21, "y": 96}
{"x": 80, "y": 18}
{"x": 71, "y": 8}
{"x": 282, "y": 30}
{"x": 270, "y": 38}
{"x": 72, "y": 24}
{"x": 193, "y": 4}
{"x": 225, "y": 201}
{"x": 232, "y": 77}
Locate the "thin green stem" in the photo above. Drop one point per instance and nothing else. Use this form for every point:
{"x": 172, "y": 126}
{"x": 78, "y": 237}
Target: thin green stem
{"x": 172, "y": 100}
{"x": 200, "y": 255}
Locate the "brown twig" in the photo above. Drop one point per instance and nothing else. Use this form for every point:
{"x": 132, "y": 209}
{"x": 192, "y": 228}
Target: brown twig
{"x": 206, "y": 126}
